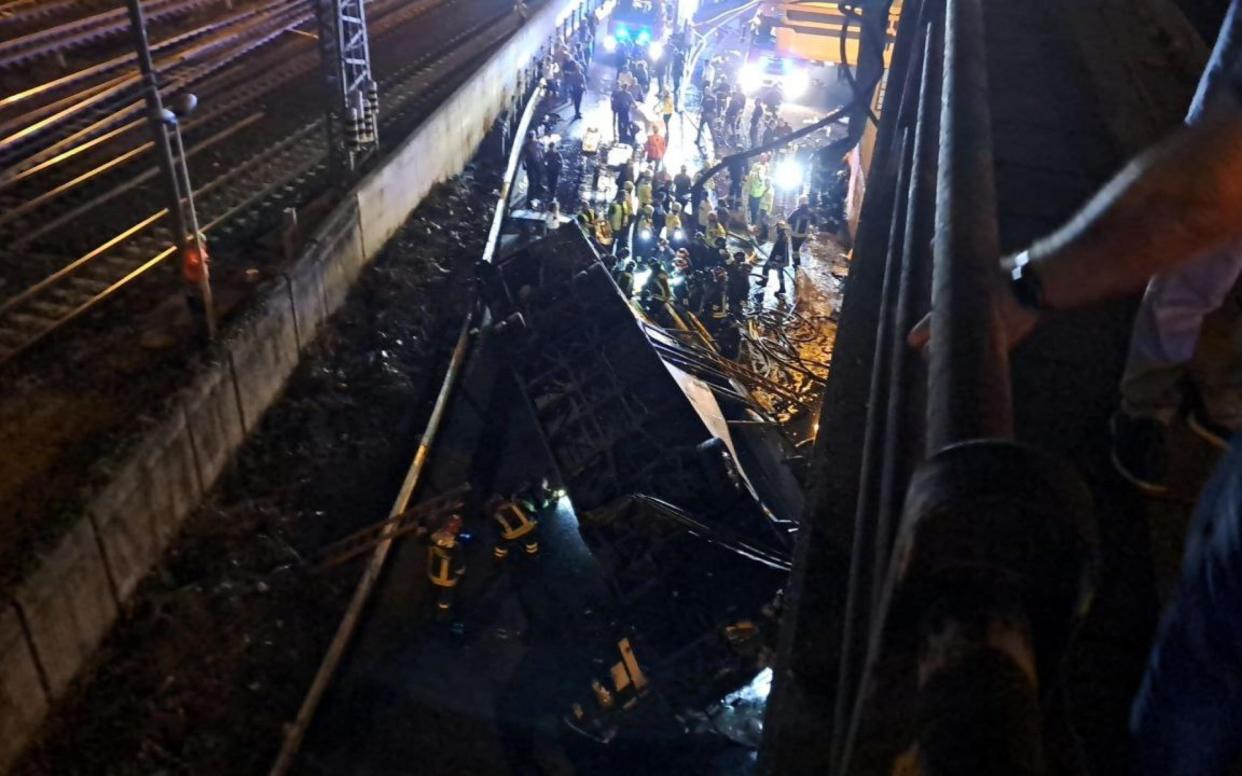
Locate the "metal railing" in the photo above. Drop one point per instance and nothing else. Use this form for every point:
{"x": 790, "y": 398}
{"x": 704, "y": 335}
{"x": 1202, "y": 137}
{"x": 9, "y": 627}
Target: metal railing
{"x": 973, "y": 555}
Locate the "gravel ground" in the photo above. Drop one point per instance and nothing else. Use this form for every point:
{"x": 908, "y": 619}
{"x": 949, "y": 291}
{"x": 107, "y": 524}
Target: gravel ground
{"x": 220, "y": 642}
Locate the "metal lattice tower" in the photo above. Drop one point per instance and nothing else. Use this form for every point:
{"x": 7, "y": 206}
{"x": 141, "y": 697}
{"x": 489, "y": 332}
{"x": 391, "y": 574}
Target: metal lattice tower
{"x": 352, "y": 94}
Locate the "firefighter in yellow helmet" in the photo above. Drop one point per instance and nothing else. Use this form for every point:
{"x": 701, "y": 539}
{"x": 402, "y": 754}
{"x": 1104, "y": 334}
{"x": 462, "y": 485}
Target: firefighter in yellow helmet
{"x": 514, "y": 525}
{"x": 445, "y": 565}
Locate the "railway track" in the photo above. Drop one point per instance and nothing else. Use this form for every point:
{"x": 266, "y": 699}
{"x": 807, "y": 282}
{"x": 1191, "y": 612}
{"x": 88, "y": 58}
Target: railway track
{"x": 279, "y": 174}
{"x": 33, "y": 135}
{"x": 76, "y": 33}
{"x": 93, "y": 153}
{"x": 16, "y": 16}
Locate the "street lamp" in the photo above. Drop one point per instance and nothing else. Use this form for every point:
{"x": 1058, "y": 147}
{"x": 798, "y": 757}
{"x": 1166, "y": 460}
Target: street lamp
{"x": 199, "y": 300}
{"x": 182, "y": 107}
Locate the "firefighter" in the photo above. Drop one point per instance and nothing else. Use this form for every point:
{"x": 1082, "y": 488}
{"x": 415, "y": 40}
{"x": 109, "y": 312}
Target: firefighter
{"x": 445, "y": 566}
{"x": 644, "y": 232}
{"x": 778, "y": 259}
{"x": 663, "y": 254}
{"x": 514, "y": 524}
{"x": 618, "y": 213}
{"x": 800, "y": 222}
{"x": 631, "y": 200}
{"x": 644, "y": 191}
{"x": 656, "y": 292}
{"x": 680, "y": 281}
{"x": 714, "y": 306}
{"x": 586, "y": 216}
{"x": 672, "y": 225}
{"x": 715, "y": 230}
{"x": 738, "y": 284}
{"x": 660, "y": 215}
{"x": 624, "y": 275}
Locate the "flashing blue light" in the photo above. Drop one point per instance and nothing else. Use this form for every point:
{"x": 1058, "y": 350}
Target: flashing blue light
{"x": 622, "y": 32}
{"x": 644, "y": 37}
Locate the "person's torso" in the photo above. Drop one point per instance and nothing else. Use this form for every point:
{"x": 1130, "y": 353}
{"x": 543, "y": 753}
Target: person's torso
{"x": 780, "y": 248}
{"x": 513, "y": 521}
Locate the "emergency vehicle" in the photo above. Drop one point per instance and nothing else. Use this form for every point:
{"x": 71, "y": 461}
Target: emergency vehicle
{"x": 789, "y": 38}
{"x": 637, "y": 23}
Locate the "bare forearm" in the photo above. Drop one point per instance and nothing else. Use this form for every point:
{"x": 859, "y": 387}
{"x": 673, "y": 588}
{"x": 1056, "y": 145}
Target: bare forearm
{"x": 1178, "y": 201}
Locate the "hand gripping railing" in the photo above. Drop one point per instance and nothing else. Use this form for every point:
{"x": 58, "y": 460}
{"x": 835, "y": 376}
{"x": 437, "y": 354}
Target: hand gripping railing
{"x": 969, "y": 570}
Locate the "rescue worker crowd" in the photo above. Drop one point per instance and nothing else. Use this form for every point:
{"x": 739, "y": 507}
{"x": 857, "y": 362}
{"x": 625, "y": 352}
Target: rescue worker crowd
{"x": 703, "y": 262}
{"x": 705, "y": 253}
{"x": 671, "y": 249}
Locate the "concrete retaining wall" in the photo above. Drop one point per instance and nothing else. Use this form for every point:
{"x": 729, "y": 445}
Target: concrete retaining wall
{"x": 63, "y": 609}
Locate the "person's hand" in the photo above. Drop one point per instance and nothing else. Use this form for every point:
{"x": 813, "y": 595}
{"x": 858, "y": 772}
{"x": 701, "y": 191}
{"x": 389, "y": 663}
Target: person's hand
{"x": 1017, "y": 322}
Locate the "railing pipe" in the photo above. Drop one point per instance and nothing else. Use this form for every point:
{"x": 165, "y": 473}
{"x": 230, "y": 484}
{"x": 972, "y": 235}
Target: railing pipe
{"x": 969, "y": 392}
{"x": 863, "y": 577}
{"x": 908, "y": 395}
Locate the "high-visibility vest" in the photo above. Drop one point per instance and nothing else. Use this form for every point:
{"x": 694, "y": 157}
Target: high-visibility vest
{"x": 514, "y": 522}
{"x": 616, "y": 216}
{"x": 442, "y": 565}
{"x": 644, "y": 193}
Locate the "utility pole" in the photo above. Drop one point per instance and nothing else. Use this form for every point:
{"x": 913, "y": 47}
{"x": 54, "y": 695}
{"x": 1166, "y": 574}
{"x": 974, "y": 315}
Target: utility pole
{"x": 352, "y": 96}
{"x": 198, "y": 292}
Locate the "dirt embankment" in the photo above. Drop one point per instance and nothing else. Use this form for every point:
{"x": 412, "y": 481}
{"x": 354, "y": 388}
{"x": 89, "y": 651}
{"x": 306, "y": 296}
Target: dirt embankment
{"x": 220, "y": 642}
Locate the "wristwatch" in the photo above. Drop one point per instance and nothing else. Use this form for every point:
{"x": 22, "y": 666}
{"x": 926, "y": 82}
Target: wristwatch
{"x": 1025, "y": 285}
